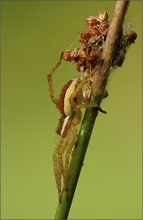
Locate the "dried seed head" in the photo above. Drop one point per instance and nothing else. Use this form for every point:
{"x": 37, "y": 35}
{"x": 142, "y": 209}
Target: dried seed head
{"x": 81, "y": 68}
{"x": 131, "y": 36}
{"x": 92, "y": 21}
{"x": 67, "y": 55}
{"x": 103, "y": 17}
{"x": 84, "y": 36}
{"x": 90, "y": 53}
{"x": 75, "y": 53}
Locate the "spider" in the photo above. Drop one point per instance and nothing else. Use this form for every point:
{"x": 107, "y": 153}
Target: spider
{"x": 72, "y": 98}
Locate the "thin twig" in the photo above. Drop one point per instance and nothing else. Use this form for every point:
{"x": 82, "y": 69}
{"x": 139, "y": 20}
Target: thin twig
{"x": 100, "y": 81}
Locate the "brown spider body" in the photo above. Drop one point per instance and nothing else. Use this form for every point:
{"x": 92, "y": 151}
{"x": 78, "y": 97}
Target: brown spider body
{"x": 69, "y": 105}
{"x": 70, "y": 87}
{"x": 65, "y": 107}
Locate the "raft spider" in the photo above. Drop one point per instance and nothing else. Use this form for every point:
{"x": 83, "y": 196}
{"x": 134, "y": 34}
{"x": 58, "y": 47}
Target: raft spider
{"x": 69, "y": 104}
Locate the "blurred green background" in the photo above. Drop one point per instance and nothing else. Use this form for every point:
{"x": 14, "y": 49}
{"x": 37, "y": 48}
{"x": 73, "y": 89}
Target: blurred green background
{"x": 34, "y": 33}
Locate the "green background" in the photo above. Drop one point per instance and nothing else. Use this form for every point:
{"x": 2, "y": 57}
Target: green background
{"x": 34, "y": 33}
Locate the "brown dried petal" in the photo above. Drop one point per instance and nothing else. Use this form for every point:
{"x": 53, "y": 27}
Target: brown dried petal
{"x": 103, "y": 16}
{"x": 84, "y": 36}
{"x": 92, "y": 21}
{"x": 67, "y": 55}
{"x": 131, "y": 36}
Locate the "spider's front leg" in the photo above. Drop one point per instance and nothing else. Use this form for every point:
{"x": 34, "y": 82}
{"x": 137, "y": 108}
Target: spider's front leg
{"x": 50, "y": 81}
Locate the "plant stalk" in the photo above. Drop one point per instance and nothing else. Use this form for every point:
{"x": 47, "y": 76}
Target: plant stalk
{"x": 100, "y": 81}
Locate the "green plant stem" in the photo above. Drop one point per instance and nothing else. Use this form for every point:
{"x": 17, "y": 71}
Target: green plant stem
{"x": 100, "y": 81}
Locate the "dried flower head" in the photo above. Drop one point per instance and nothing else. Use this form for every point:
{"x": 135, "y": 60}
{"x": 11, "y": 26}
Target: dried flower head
{"x": 93, "y": 39}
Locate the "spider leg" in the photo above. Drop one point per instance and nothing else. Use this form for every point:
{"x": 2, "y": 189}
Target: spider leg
{"x": 88, "y": 105}
{"x": 58, "y": 162}
{"x": 57, "y": 168}
{"x": 83, "y": 81}
{"x": 74, "y": 94}
{"x": 62, "y": 153}
{"x": 76, "y": 91}
{"x": 72, "y": 140}
{"x": 50, "y": 81}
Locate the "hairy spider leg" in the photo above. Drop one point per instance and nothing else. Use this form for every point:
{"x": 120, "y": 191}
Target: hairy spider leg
{"x": 65, "y": 145}
{"x": 50, "y": 81}
{"x": 58, "y": 169}
{"x": 58, "y": 161}
{"x": 72, "y": 136}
